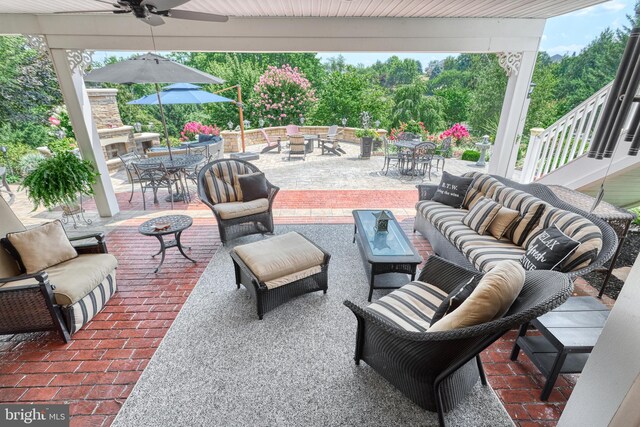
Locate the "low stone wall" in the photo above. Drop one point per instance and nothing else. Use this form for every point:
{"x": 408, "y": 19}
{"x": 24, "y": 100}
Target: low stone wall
{"x": 233, "y": 140}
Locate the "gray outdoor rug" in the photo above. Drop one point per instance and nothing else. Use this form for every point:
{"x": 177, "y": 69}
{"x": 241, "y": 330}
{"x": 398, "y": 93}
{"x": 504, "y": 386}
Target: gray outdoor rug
{"x": 220, "y": 366}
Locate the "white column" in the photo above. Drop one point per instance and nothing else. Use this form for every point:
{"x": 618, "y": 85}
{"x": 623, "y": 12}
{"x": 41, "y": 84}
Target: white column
{"x": 519, "y": 67}
{"x": 68, "y": 66}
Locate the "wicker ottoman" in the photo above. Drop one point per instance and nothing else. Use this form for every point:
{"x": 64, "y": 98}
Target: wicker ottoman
{"x": 278, "y": 269}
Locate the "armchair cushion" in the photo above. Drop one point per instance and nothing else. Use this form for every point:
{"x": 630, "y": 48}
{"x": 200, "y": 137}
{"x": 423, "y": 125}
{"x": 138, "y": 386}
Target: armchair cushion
{"x": 252, "y": 186}
{"x": 491, "y": 299}
{"x": 76, "y": 278}
{"x": 411, "y": 307}
{"x": 233, "y": 210}
{"x": 41, "y": 247}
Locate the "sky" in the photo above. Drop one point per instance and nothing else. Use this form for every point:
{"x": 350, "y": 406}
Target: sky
{"x": 564, "y": 34}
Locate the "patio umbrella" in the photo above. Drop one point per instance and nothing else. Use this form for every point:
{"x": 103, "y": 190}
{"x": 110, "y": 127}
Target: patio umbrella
{"x": 150, "y": 68}
{"x": 181, "y": 93}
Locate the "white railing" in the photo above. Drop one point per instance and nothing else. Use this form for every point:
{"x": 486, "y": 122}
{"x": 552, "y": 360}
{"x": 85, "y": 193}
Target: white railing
{"x": 564, "y": 140}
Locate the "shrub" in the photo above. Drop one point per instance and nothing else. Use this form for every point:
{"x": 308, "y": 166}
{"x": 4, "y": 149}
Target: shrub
{"x": 471, "y": 155}
{"x": 29, "y": 162}
{"x": 283, "y": 95}
{"x": 366, "y": 133}
{"x": 458, "y": 132}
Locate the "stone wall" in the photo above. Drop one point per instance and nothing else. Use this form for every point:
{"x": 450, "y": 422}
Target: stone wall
{"x": 104, "y": 107}
{"x": 233, "y": 140}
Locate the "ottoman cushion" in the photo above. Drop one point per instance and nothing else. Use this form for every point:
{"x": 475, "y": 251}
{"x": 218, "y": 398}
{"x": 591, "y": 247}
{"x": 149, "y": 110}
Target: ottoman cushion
{"x": 280, "y": 256}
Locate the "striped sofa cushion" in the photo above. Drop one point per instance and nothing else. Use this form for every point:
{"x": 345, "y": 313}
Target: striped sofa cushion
{"x": 222, "y": 183}
{"x": 411, "y": 307}
{"x": 576, "y": 227}
{"x": 483, "y": 185}
{"x": 83, "y": 310}
{"x": 436, "y": 212}
{"x": 484, "y": 252}
{"x": 481, "y": 215}
{"x": 531, "y": 209}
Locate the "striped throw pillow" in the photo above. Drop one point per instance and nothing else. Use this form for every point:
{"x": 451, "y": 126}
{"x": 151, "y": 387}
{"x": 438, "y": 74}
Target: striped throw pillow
{"x": 481, "y": 215}
{"x": 531, "y": 209}
{"x": 411, "y": 307}
{"x": 221, "y": 182}
{"x": 483, "y": 185}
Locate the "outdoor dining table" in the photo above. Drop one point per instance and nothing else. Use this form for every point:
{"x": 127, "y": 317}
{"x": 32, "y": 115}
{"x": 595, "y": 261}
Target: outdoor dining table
{"x": 178, "y": 163}
{"x": 411, "y": 146}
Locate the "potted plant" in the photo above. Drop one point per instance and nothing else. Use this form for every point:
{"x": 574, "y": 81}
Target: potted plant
{"x": 58, "y": 180}
{"x": 366, "y": 141}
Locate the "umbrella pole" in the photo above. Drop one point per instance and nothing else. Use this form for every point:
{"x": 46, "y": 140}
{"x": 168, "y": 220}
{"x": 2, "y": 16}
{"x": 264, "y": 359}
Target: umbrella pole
{"x": 164, "y": 122}
{"x": 241, "y": 117}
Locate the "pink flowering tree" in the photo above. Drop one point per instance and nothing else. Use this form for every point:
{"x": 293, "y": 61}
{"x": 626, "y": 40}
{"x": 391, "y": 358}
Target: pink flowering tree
{"x": 458, "y": 132}
{"x": 282, "y": 95}
{"x": 191, "y": 130}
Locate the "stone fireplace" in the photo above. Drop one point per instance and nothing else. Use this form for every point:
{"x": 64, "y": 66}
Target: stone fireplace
{"x": 116, "y": 138}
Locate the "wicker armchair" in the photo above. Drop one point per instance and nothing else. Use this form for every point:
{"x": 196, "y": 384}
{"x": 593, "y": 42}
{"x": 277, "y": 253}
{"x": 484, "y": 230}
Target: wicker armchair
{"x": 28, "y": 301}
{"x": 436, "y": 370}
{"x": 231, "y": 228}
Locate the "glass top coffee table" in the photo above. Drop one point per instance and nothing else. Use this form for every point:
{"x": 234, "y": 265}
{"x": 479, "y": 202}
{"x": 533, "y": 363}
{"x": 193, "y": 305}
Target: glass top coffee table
{"x": 384, "y": 252}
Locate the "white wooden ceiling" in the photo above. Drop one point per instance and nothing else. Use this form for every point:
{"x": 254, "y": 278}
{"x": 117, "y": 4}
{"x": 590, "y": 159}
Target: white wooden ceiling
{"x": 335, "y": 8}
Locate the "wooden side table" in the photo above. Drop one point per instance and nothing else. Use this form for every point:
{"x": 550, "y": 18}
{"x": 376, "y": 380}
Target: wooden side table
{"x": 619, "y": 219}
{"x": 568, "y": 334}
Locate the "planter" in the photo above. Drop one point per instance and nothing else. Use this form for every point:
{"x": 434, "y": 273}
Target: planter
{"x": 366, "y": 143}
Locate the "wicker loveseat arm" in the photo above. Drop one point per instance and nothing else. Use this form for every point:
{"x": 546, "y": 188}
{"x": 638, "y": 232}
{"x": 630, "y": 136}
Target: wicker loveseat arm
{"x": 426, "y": 191}
{"x": 97, "y": 247}
{"x": 446, "y": 275}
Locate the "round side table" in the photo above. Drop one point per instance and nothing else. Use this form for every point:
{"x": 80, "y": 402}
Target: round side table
{"x": 176, "y": 225}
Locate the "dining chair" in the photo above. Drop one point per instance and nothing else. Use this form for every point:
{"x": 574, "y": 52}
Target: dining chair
{"x": 390, "y": 154}
{"x": 127, "y": 160}
{"x": 442, "y": 152}
{"x": 155, "y": 176}
{"x": 422, "y": 158}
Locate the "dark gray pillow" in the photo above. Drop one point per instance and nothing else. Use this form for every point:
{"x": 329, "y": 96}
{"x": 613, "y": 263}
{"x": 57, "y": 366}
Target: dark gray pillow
{"x": 452, "y": 190}
{"x": 454, "y": 300}
{"x": 206, "y": 138}
{"x": 253, "y": 186}
{"x": 548, "y": 250}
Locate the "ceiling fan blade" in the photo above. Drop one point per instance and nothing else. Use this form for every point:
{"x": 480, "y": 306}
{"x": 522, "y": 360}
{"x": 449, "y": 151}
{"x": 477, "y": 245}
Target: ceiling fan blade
{"x": 197, "y": 16}
{"x": 112, "y": 3}
{"x": 153, "y": 20}
{"x": 163, "y": 5}
{"x": 83, "y": 11}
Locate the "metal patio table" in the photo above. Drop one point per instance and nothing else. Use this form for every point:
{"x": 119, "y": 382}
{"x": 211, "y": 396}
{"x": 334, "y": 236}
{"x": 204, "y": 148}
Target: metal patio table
{"x": 178, "y": 164}
{"x": 410, "y": 145}
{"x": 384, "y": 252}
{"x": 177, "y": 224}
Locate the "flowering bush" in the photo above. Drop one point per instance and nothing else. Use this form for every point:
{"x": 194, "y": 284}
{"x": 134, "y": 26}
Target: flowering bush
{"x": 457, "y": 132}
{"x": 412, "y": 126}
{"x": 191, "y": 130}
{"x": 282, "y": 95}
{"x": 60, "y": 123}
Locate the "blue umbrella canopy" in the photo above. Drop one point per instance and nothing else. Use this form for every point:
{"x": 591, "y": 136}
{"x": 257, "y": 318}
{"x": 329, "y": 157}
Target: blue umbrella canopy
{"x": 181, "y": 93}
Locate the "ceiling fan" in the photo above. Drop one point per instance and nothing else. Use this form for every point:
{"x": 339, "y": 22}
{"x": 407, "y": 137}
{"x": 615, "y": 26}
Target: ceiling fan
{"x": 152, "y": 11}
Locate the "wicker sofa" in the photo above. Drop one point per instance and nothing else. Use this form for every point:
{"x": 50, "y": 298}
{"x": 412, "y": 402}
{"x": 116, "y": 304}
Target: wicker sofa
{"x": 454, "y": 241}
{"x": 62, "y": 298}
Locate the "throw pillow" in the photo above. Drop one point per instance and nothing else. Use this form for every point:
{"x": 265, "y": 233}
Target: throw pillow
{"x": 452, "y": 190}
{"x": 219, "y": 190}
{"x": 481, "y": 215}
{"x": 41, "y": 247}
{"x": 491, "y": 299}
{"x": 454, "y": 299}
{"x": 548, "y": 250}
{"x": 503, "y": 221}
{"x": 253, "y": 186}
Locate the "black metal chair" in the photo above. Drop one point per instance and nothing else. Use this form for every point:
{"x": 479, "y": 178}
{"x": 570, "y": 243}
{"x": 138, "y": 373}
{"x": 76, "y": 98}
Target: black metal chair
{"x": 258, "y": 223}
{"x": 422, "y": 158}
{"x": 442, "y": 153}
{"x": 390, "y": 155}
{"x": 437, "y": 370}
{"x": 127, "y": 160}
{"x": 155, "y": 176}
{"x": 408, "y": 136}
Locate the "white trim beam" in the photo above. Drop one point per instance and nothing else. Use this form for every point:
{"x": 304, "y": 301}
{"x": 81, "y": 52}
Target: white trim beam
{"x": 106, "y": 32}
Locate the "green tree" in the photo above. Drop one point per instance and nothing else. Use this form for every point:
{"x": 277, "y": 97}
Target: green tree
{"x": 413, "y": 103}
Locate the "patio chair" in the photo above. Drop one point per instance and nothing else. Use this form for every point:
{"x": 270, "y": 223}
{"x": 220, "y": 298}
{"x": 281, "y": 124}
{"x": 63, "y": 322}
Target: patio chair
{"x": 292, "y": 130}
{"x": 127, "y": 160}
{"x": 441, "y": 152}
{"x": 331, "y": 146}
{"x": 408, "y": 136}
{"x": 436, "y": 370}
{"x": 61, "y": 298}
{"x": 235, "y": 217}
{"x": 155, "y": 176}
{"x": 271, "y": 145}
{"x": 422, "y": 158}
{"x": 389, "y": 155}
{"x": 297, "y": 146}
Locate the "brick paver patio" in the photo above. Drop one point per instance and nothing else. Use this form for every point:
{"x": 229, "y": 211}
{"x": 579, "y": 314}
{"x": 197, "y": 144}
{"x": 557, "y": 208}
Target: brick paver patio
{"x": 97, "y": 370}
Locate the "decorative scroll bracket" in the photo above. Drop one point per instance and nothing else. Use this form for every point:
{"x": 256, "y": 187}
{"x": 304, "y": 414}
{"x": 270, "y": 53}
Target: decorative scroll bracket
{"x": 79, "y": 60}
{"x": 510, "y": 62}
{"x": 39, "y": 43}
